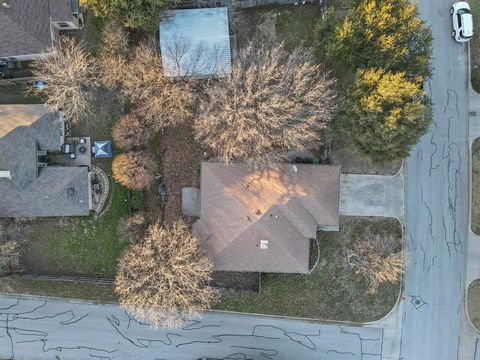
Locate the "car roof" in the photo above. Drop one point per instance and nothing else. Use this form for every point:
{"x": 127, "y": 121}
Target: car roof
{"x": 467, "y": 23}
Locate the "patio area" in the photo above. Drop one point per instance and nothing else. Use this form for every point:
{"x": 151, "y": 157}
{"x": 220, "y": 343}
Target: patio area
{"x": 76, "y": 151}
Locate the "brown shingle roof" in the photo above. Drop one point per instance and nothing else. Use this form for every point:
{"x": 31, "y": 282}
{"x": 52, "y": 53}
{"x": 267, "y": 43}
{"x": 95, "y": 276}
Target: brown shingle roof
{"x": 240, "y": 207}
{"x": 25, "y": 25}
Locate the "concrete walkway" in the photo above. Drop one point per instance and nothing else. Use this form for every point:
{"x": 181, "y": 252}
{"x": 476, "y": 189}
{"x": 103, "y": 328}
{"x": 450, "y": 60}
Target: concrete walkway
{"x": 372, "y": 195}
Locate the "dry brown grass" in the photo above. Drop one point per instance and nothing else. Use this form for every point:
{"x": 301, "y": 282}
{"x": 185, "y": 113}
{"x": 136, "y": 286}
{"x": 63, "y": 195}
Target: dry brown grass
{"x": 113, "y": 54}
{"x": 162, "y": 279}
{"x": 9, "y": 258}
{"x": 134, "y": 169}
{"x": 69, "y": 76}
{"x": 273, "y": 102}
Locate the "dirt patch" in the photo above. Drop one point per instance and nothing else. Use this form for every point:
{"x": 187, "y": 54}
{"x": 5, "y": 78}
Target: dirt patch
{"x": 237, "y": 280}
{"x": 182, "y": 157}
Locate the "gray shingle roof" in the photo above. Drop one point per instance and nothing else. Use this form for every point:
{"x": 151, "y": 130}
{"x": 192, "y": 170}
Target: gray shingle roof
{"x": 25, "y": 25}
{"x": 56, "y": 191}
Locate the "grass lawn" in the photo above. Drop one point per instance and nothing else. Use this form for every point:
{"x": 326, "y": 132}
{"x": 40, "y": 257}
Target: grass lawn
{"x": 331, "y": 291}
{"x": 475, "y": 46}
{"x": 92, "y": 292}
{"x": 473, "y": 300}
{"x": 16, "y": 94}
{"x": 87, "y": 246}
{"x": 476, "y": 187}
{"x": 295, "y": 25}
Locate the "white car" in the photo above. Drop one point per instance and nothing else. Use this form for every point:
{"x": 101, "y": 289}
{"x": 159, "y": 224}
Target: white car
{"x": 462, "y": 21}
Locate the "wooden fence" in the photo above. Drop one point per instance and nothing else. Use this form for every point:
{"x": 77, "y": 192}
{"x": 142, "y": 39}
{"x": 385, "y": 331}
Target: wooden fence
{"x": 242, "y": 4}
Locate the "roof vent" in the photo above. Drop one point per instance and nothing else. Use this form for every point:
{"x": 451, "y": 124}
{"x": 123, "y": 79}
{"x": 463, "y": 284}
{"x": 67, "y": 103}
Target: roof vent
{"x": 5, "y": 5}
{"x": 295, "y": 168}
{"x": 264, "y": 244}
{"x": 71, "y": 191}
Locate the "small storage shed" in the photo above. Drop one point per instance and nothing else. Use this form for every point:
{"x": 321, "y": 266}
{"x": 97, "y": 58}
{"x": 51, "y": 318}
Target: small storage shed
{"x": 195, "y": 42}
{"x": 102, "y": 149}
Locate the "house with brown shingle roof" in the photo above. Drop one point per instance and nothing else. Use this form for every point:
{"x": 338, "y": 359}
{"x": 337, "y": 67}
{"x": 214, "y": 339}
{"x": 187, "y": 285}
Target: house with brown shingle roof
{"x": 29, "y": 28}
{"x": 265, "y": 220}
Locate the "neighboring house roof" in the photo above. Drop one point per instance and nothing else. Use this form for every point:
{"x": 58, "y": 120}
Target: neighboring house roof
{"x": 12, "y": 116}
{"x": 31, "y": 191}
{"x": 240, "y": 207}
{"x": 25, "y": 25}
{"x": 195, "y": 42}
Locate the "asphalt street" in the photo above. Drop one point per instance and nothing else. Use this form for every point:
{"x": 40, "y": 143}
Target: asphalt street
{"x": 437, "y": 204}
{"x": 51, "y": 329}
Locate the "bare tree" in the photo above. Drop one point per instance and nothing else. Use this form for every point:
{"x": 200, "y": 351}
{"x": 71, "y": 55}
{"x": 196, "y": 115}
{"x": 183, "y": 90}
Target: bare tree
{"x": 163, "y": 279}
{"x": 69, "y": 76}
{"x": 9, "y": 258}
{"x": 272, "y": 102}
{"x": 375, "y": 260}
{"x": 162, "y": 101}
{"x": 131, "y": 132}
{"x": 134, "y": 169}
{"x": 113, "y": 54}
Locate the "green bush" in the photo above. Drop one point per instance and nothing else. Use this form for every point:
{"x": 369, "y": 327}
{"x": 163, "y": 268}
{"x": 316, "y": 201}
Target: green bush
{"x": 134, "y": 14}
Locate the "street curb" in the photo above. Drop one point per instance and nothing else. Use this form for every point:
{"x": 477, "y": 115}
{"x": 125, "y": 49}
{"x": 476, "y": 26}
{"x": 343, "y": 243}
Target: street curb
{"x": 470, "y": 193}
{"x": 404, "y": 228}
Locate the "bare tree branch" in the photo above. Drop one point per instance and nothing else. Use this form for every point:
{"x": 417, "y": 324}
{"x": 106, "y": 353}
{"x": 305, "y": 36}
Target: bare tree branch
{"x": 273, "y": 102}
{"x": 69, "y": 76}
{"x": 163, "y": 279}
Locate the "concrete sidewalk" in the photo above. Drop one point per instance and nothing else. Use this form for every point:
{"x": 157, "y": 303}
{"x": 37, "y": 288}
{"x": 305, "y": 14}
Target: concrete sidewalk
{"x": 469, "y": 336}
{"x": 372, "y": 195}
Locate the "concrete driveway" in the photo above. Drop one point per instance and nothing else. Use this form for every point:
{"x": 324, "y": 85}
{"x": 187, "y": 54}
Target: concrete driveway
{"x": 372, "y": 195}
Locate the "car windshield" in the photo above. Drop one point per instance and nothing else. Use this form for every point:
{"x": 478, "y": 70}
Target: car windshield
{"x": 463, "y": 11}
